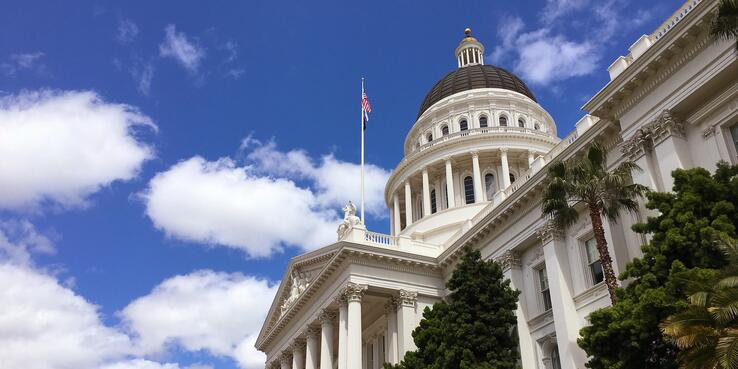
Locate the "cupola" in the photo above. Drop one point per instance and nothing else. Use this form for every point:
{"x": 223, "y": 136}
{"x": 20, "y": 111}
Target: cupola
{"x": 470, "y": 51}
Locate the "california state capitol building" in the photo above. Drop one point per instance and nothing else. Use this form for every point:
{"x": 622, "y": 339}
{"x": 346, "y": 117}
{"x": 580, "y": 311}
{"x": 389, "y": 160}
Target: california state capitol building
{"x": 473, "y": 174}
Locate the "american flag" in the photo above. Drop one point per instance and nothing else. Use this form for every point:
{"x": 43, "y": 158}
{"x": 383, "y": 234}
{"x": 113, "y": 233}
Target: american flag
{"x": 366, "y": 108}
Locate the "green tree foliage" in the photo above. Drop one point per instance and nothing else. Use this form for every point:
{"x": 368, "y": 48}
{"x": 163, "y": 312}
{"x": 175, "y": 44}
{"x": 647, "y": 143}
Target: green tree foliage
{"x": 706, "y": 331}
{"x": 725, "y": 24}
{"x": 587, "y": 181}
{"x": 702, "y": 206}
{"x": 474, "y": 328}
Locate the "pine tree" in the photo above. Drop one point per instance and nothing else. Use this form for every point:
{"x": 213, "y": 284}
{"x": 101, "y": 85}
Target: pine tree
{"x": 474, "y": 328}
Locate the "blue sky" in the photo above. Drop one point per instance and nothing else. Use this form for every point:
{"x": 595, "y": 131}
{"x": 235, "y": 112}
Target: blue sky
{"x": 162, "y": 157}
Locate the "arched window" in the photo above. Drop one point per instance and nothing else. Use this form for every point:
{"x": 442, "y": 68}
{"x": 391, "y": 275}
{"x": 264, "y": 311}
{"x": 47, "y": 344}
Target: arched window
{"x": 434, "y": 208}
{"x": 537, "y": 127}
{"x": 469, "y": 190}
{"x": 444, "y": 130}
{"x": 512, "y": 178}
{"x": 429, "y": 137}
{"x": 482, "y": 121}
{"x": 489, "y": 185}
{"x": 521, "y": 122}
{"x": 503, "y": 121}
{"x": 463, "y": 125}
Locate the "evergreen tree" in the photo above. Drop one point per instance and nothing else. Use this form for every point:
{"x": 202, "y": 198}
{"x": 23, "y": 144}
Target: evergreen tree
{"x": 474, "y": 328}
{"x": 702, "y": 206}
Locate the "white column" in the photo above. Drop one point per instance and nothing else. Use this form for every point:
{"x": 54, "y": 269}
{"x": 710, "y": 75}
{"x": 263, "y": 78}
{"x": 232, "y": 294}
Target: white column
{"x": 511, "y": 266}
{"x": 342, "y": 331}
{"x": 354, "y": 293}
{"x": 396, "y": 209}
{"x": 566, "y": 319}
{"x": 285, "y": 361}
{"x": 406, "y": 322}
{"x": 326, "y": 339}
{"x": 408, "y": 204}
{"x": 375, "y": 353}
{"x": 478, "y": 189}
{"x": 298, "y": 354}
{"x": 505, "y": 168}
{"x": 426, "y": 193}
{"x": 390, "y": 311}
{"x": 312, "y": 335}
{"x": 531, "y": 158}
{"x": 449, "y": 184}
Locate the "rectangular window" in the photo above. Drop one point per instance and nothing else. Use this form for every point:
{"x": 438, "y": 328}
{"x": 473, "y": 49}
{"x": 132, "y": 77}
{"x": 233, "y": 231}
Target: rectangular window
{"x": 434, "y": 207}
{"x": 593, "y": 261}
{"x": 545, "y": 292}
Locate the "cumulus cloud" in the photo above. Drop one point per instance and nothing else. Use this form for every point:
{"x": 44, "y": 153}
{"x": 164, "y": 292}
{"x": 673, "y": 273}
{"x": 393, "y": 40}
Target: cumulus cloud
{"x": 203, "y": 310}
{"x": 147, "y": 364}
{"x": 218, "y": 202}
{"x": 259, "y": 206}
{"x": 334, "y": 181}
{"x": 176, "y": 45}
{"x": 44, "y": 325}
{"x": 556, "y": 8}
{"x": 19, "y": 240}
{"x": 59, "y": 147}
{"x": 127, "y": 31}
{"x": 23, "y": 62}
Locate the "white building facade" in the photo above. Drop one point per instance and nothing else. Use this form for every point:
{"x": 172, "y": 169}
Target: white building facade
{"x": 472, "y": 174}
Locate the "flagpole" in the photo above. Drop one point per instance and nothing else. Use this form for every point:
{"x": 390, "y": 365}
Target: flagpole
{"x": 361, "y": 126}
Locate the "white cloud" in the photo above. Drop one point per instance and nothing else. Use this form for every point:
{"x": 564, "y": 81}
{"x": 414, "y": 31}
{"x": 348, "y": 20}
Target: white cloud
{"x": 19, "y": 240}
{"x": 204, "y": 310}
{"x": 23, "y": 61}
{"x": 44, "y": 325}
{"x": 59, "y": 147}
{"x": 335, "y": 182}
{"x": 147, "y": 364}
{"x": 177, "y": 46}
{"x": 556, "y": 8}
{"x": 218, "y": 202}
{"x": 127, "y": 31}
{"x": 143, "y": 73}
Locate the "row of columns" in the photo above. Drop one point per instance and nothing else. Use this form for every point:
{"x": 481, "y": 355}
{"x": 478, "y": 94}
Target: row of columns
{"x": 316, "y": 349}
{"x": 450, "y": 195}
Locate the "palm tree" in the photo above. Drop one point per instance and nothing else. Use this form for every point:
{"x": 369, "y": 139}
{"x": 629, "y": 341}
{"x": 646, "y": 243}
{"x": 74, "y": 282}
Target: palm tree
{"x": 706, "y": 331}
{"x": 725, "y": 24}
{"x": 587, "y": 181}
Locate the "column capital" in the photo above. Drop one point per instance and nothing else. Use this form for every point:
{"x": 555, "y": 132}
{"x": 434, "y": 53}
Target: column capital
{"x": 327, "y": 316}
{"x": 503, "y": 150}
{"x": 448, "y": 159}
{"x": 474, "y": 154}
{"x": 531, "y": 152}
{"x": 298, "y": 344}
{"x": 391, "y": 305}
{"x": 548, "y": 232}
{"x": 509, "y": 259}
{"x": 354, "y": 292}
{"x": 311, "y": 331}
{"x": 285, "y": 357}
{"x": 407, "y": 298}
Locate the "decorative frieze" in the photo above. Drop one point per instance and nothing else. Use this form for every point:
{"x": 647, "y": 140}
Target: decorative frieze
{"x": 407, "y": 298}
{"x": 299, "y": 282}
{"x": 509, "y": 259}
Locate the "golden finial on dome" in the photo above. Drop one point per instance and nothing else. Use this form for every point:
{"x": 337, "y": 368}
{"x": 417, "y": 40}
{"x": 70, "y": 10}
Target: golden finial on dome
{"x": 467, "y": 32}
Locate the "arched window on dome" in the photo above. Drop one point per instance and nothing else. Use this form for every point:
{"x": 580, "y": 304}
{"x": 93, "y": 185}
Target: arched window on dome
{"x": 469, "y": 190}
{"x": 434, "y": 206}
{"x": 512, "y": 178}
{"x": 444, "y": 130}
{"x": 463, "y": 125}
{"x": 503, "y": 121}
{"x": 429, "y": 137}
{"x": 489, "y": 185}
{"x": 521, "y": 122}
{"x": 537, "y": 127}
{"x": 482, "y": 121}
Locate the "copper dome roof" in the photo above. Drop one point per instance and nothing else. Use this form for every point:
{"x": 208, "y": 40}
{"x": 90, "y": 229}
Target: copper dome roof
{"x": 472, "y": 77}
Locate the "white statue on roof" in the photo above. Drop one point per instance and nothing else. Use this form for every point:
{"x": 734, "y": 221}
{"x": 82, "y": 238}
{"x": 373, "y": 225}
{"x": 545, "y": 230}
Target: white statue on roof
{"x": 350, "y": 220}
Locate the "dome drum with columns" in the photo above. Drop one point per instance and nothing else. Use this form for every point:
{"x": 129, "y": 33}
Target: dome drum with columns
{"x": 467, "y": 181}
{"x": 478, "y": 130}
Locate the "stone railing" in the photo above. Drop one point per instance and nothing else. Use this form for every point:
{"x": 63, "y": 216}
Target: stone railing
{"x": 380, "y": 238}
{"x": 478, "y": 131}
